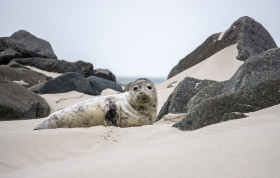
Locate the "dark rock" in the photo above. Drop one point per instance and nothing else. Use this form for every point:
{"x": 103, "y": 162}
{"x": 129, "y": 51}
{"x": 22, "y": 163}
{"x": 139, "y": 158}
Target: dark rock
{"x": 98, "y": 84}
{"x": 14, "y": 64}
{"x": 215, "y": 110}
{"x": 30, "y": 77}
{"x": 233, "y": 115}
{"x": 70, "y": 81}
{"x": 178, "y": 99}
{"x": 59, "y": 66}
{"x": 104, "y": 73}
{"x": 211, "y": 91}
{"x": 23, "y": 44}
{"x": 254, "y": 86}
{"x": 16, "y": 102}
{"x": 255, "y": 70}
{"x": 251, "y": 36}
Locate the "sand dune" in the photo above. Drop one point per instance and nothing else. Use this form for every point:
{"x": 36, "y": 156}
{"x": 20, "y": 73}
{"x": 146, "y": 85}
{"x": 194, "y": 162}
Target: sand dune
{"x": 221, "y": 66}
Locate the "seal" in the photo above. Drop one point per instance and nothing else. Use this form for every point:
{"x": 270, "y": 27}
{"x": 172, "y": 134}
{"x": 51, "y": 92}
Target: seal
{"x": 136, "y": 107}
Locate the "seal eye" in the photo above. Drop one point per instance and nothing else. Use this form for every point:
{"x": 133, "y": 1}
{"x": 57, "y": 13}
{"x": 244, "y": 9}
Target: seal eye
{"x": 135, "y": 88}
{"x": 149, "y": 87}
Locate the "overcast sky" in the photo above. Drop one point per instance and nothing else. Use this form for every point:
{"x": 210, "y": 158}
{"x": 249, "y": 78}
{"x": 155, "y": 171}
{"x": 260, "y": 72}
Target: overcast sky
{"x": 131, "y": 38}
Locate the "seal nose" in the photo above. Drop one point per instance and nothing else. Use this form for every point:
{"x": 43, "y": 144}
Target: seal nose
{"x": 141, "y": 92}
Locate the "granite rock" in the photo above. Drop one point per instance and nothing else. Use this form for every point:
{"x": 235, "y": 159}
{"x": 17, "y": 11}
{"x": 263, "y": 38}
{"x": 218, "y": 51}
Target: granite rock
{"x": 23, "y": 44}
{"x": 98, "y": 84}
{"x": 251, "y": 36}
{"x": 67, "y": 82}
{"x": 16, "y": 102}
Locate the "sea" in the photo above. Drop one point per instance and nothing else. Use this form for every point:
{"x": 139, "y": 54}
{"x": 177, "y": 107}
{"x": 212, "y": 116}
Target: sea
{"x": 126, "y": 80}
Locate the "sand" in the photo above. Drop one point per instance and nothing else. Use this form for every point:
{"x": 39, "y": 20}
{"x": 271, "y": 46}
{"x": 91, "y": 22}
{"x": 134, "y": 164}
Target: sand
{"x": 48, "y": 74}
{"x": 221, "y": 66}
{"x": 248, "y": 147}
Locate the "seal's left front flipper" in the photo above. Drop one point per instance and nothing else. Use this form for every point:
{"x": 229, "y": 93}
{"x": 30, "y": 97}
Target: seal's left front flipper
{"x": 112, "y": 113}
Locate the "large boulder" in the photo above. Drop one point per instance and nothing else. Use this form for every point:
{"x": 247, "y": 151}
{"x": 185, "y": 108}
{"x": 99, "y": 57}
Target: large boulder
{"x": 70, "y": 81}
{"x": 16, "y": 102}
{"x": 23, "y": 44}
{"x": 104, "y": 73}
{"x": 98, "y": 84}
{"x": 251, "y": 36}
{"x": 232, "y": 105}
{"x": 255, "y": 85}
{"x": 255, "y": 70}
{"x": 178, "y": 99}
{"x": 59, "y": 66}
{"x": 25, "y": 76}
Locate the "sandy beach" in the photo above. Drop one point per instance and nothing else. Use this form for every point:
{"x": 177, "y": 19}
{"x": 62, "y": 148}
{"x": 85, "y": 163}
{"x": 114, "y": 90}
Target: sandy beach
{"x": 239, "y": 148}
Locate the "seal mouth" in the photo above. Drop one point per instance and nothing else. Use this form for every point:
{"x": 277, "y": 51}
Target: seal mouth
{"x": 143, "y": 99}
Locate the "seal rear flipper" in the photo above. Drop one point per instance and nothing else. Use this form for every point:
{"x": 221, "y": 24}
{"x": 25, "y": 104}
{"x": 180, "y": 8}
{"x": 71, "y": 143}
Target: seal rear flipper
{"x": 40, "y": 126}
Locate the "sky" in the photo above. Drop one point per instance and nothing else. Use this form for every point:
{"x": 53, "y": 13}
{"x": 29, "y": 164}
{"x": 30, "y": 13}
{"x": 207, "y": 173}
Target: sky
{"x": 131, "y": 38}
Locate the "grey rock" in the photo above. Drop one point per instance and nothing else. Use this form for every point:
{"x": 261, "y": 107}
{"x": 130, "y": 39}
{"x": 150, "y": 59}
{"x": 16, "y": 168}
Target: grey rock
{"x": 16, "y": 102}
{"x": 255, "y": 70}
{"x": 14, "y": 64}
{"x": 211, "y": 91}
{"x": 23, "y": 44}
{"x": 233, "y": 115}
{"x": 251, "y": 36}
{"x": 67, "y": 82}
{"x": 98, "y": 84}
{"x": 59, "y": 66}
{"x": 30, "y": 77}
{"x": 104, "y": 73}
{"x": 255, "y": 86}
{"x": 178, "y": 99}
{"x": 217, "y": 109}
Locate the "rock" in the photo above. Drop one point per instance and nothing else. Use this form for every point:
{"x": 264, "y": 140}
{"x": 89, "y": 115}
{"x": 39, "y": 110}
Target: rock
{"x": 211, "y": 91}
{"x": 104, "y": 73}
{"x": 98, "y": 84}
{"x": 254, "y": 86}
{"x": 29, "y": 77}
{"x": 23, "y": 44}
{"x": 59, "y": 66}
{"x": 233, "y": 115}
{"x": 178, "y": 99}
{"x": 16, "y": 102}
{"x": 215, "y": 110}
{"x": 255, "y": 70}
{"x": 14, "y": 64}
{"x": 251, "y": 36}
{"x": 70, "y": 81}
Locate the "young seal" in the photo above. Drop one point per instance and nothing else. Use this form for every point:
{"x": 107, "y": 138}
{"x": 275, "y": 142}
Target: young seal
{"x": 136, "y": 107}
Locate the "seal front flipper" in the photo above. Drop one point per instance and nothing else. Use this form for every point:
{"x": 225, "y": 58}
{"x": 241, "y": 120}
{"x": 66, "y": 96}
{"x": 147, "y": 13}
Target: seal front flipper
{"x": 111, "y": 113}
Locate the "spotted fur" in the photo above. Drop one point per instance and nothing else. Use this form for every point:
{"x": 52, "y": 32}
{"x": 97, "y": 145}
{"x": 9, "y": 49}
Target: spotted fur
{"x": 134, "y": 108}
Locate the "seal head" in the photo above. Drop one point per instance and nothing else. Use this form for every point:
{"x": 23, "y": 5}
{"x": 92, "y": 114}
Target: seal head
{"x": 143, "y": 93}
